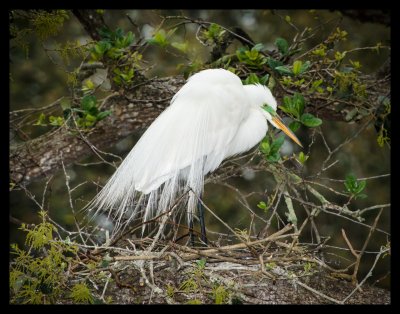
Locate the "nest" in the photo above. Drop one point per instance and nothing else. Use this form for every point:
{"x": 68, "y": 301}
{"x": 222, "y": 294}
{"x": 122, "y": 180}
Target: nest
{"x": 274, "y": 270}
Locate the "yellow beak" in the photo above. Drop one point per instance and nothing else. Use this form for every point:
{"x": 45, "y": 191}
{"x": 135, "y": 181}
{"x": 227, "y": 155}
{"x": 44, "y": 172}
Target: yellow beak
{"x": 284, "y": 128}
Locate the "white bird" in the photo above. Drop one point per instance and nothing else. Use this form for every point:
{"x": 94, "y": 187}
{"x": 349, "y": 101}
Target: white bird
{"x": 212, "y": 117}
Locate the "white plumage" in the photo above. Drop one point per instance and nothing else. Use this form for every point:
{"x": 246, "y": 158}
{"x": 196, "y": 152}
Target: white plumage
{"x": 212, "y": 117}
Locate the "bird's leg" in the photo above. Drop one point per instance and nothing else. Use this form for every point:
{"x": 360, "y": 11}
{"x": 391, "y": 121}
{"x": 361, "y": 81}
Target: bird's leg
{"x": 191, "y": 236}
{"x": 202, "y": 223}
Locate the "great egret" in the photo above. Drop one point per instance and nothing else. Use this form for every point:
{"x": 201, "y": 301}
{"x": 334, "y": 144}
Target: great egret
{"x": 212, "y": 117}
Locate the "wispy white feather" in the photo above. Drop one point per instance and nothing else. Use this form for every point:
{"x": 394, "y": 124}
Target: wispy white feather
{"x": 212, "y": 117}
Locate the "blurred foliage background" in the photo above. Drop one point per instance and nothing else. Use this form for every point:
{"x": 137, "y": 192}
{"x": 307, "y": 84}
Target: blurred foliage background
{"x": 37, "y": 79}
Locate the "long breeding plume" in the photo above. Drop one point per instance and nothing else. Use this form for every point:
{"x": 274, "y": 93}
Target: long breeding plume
{"x": 212, "y": 117}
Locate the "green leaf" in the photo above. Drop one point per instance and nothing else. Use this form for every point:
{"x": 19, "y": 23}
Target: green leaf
{"x": 286, "y": 109}
{"x": 101, "y": 47}
{"x": 272, "y": 63}
{"x": 294, "y": 126}
{"x": 283, "y": 70}
{"x": 262, "y": 205}
{"x": 350, "y": 183}
{"x": 105, "y": 32}
{"x": 355, "y": 64}
{"x": 252, "y": 55}
{"x": 119, "y": 33}
{"x": 305, "y": 66}
{"x": 201, "y": 263}
{"x": 273, "y": 157}
{"x": 88, "y": 102}
{"x": 56, "y": 121}
{"x": 159, "y": 38}
{"x": 271, "y": 151}
{"x": 287, "y": 101}
{"x": 258, "y": 47}
{"x": 315, "y": 85}
{"x": 253, "y": 59}
{"x": 213, "y": 31}
{"x": 297, "y": 67}
{"x": 124, "y": 41}
{"x": 41, "y": 120}
{"x": 339, "y": 56}
{"x": 302, "y": 158}
{"x": 310, "y": 121}
{"x": 361, "y": 185}
{"x": 90, "y": 118}
{"x": 264, "y": 79}
{"x": 321, "y": 52}
{"x": 276, "y": 144}
{"x": 251, "y": 79}
{"x": 89, "y": 84}
{"x": 265, "y": 147}
{"x": 129, "y": 39}
{"x": 240, "y": 52}
{"x": 183, "y": 47}
{"x": 93, "y": 111}
{"x": 289, "y": 106}
{"x": 88, "y": 124}
{"x": 298, "y": 103}
{"x": 103, "y": 115}
{"x": 282, "y": 45}
{"x": 115, "y": 53}
{"x": 354, "y": 187}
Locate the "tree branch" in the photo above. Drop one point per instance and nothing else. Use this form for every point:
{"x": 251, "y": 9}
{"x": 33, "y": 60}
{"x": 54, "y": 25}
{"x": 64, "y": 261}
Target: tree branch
{"x": 91, "y": 21}
{"x": 132, "y": 112}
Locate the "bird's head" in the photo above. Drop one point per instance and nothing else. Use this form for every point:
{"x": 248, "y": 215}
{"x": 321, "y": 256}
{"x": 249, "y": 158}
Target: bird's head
{"x": 261, "y": 96}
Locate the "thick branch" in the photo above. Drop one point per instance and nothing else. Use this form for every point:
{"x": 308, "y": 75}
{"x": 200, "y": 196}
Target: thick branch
{"x": 132, "y": 112}
{"x": 91, "y": 21}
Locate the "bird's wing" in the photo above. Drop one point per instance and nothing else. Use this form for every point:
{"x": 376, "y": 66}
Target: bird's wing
{"x": 200, "y": 123}
{"x": 190, "y": 138}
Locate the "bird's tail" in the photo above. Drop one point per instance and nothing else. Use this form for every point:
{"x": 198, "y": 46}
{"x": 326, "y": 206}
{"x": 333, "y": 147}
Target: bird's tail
{"x": 169, "y": 160}
{"x": 119, "y": 203}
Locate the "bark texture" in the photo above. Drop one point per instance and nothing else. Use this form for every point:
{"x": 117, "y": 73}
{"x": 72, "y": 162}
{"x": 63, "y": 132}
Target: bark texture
{"x": 132, "y": 112}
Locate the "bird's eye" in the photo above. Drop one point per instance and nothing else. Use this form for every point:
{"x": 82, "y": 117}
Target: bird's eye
{"x": 270, "y": 110}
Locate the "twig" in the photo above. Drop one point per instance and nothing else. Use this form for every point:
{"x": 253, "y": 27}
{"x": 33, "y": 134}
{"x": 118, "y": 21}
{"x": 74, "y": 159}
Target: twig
{"x": 362, "y": 211}
{"x": 366, "y": 276}
{"x": 318, "y": 292}
{"x": 105, "y": 287}
{"x": 359, "y": 255}
{"x": 349, "y": 244}
{"x": 70, "y": 198}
